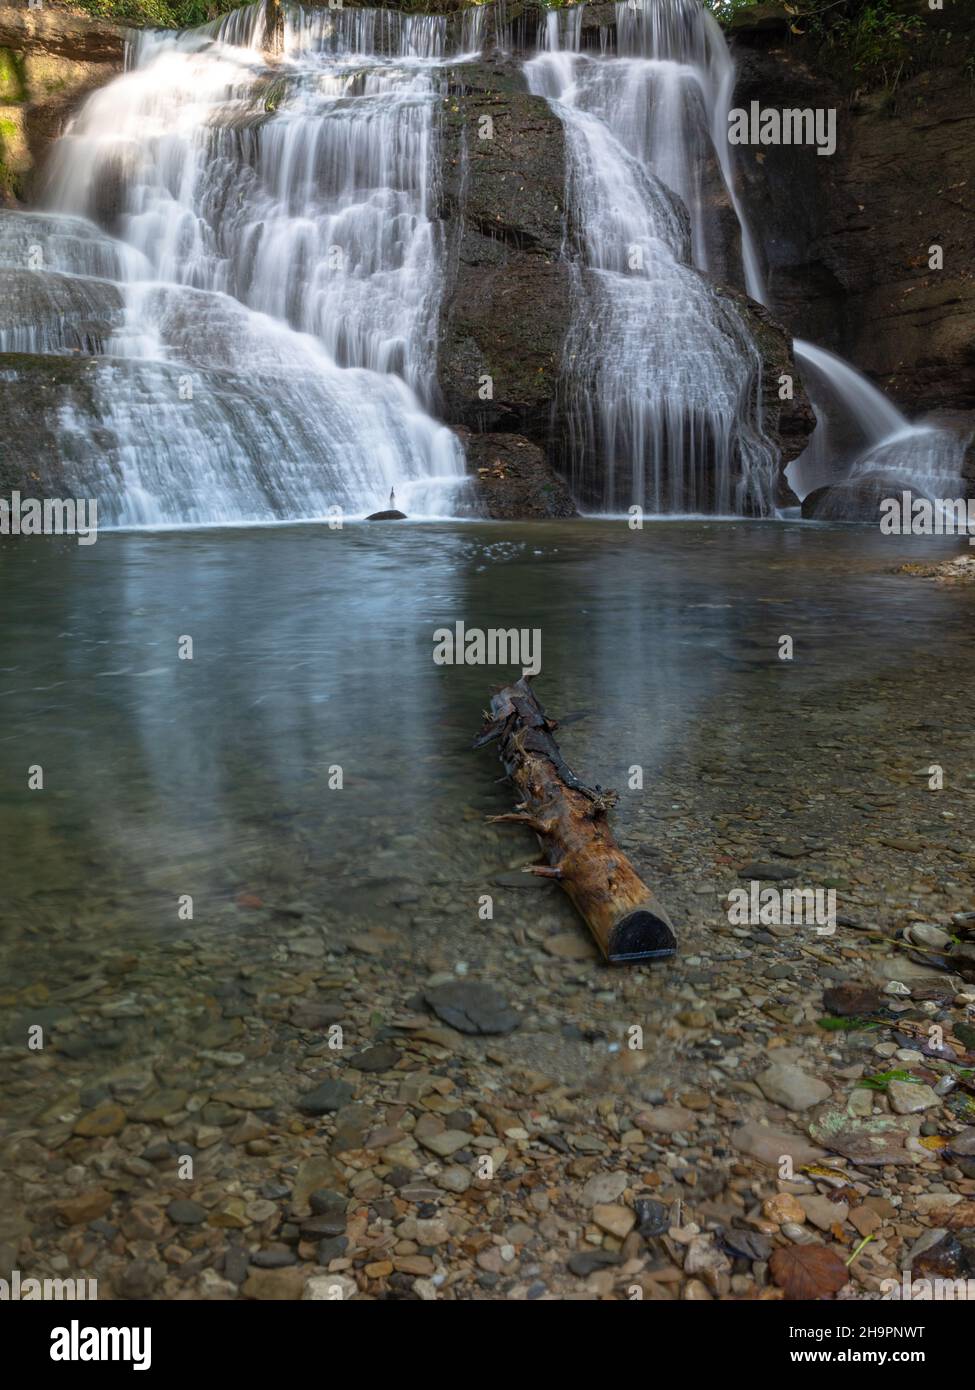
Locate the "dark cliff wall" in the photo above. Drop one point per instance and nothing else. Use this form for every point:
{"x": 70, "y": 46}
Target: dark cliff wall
{"x": 507, "y": 297}
{"x": 846, "y": 237}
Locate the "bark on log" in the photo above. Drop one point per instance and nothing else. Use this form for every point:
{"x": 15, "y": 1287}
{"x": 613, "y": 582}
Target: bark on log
{"x": 570, "y": 820}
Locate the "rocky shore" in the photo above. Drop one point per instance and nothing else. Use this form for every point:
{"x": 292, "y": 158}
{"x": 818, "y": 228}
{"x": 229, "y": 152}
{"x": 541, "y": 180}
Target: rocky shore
{"x": 333, "y": 1094}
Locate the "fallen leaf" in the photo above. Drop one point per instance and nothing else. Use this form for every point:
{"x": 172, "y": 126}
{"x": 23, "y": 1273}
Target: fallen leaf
{"x": 957, "y": 1218}
{"x": 807, "y": 1272}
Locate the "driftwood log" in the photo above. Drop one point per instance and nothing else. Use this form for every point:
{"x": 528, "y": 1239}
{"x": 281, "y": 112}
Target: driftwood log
{"x": 570, "y": 820}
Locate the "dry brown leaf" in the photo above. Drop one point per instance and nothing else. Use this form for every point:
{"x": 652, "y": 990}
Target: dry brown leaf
{"x": 807, "y": 1272}
{"x": 957, "y": 1218}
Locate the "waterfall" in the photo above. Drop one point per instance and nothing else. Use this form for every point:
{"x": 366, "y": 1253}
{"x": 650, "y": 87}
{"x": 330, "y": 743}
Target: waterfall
{"x": 662, "y": 381}
{"x": 863, "y": 446}
{"x": 264, "y": 270}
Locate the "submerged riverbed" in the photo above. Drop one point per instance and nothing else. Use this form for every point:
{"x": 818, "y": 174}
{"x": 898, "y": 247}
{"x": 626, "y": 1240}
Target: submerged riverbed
{"x": 312, "y": 651}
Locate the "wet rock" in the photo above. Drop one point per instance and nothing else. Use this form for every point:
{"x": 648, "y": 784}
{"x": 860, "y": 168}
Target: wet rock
{"x": 822, "y": 1212}
{"x": 770, "y": 1145}
{"x": 769, "y": 872}
{"x": 314, "y": 1016}
{"x": 910, "y": 1097}
{"x": 707, "y": 1261}
{"x": 878, "y": 1140}
{"x": 603, "y": 1188}
{"x": 326, "y": 1098}
{"x": 615, "y": 1220}
{"x": 381, "y": 1058}
{"x": 791, "y": 1088}
{"x": 169, "y": 1101}
{"x": 512, "y": 480}
{"x": 140, "y": 1280}
{"x": 472, "y": 1007}
{"x": 506, "y": 305}
{"x": 183, "y": 1211}
{"x": 665, "y": 1119}
{"x": 274, "y": 1285}
{"x": 852, "y": 1000}
{"x": 103, "y": 1121}
{"x": 923, "y": 934}
{"x": 324, "y": 1200}
{"x": 281, "y": 1258}
{"x": 585, "y": 1262}
{"x": 84, "y": 1206}
{"x": 653, "y": 1218}
{"x": 447, "y": 1142}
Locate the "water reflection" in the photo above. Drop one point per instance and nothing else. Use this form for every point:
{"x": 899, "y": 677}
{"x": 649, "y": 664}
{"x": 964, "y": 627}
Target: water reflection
{"x": 313, "y": 649}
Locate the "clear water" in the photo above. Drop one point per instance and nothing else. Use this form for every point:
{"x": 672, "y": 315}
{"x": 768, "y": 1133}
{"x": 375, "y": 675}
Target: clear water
{"x": 313, "y": 648}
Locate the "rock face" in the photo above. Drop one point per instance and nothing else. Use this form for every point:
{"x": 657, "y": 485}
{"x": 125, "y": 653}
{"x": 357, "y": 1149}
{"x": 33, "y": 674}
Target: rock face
{"x": 507, "y": 304}
{"x": 49, "y": 61}
{"x": 789, "y": 420}
{"x": 506, "y": 308}
{"x": 512, "y": 479}
{"x": 846, "y": 238}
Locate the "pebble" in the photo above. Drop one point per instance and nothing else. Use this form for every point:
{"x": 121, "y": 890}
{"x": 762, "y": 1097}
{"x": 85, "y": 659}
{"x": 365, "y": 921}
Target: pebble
{"x": 472, "y": 1007}
{"x": 604, "y": 1188}
{"x": 910, "y": 1097}
{"x": 326, "y": 1098}
{"x": 792, "y": 1088}
{"x": 183, "y": 1211}
{"x": 616, "y": 1220}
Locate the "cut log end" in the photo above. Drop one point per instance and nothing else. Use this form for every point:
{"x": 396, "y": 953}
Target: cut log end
{"x": 641, "y": 935}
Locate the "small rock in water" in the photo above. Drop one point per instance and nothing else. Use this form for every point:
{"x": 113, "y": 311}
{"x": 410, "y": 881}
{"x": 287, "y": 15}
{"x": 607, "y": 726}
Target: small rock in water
{"x": 604, "y": 1187}
{"x": 910, "y": 1097}
{"x": 584, "y": 1262}
{"x": 472, "y": 1007}
{"x": 769, "y": 872}
{"x": 329, "y": 1096}
{"x": 790, "y": 1087}
{"x": 383, "y": 1057}
{"x": 183, "y": 1212}
{"x": 923, "y": 934}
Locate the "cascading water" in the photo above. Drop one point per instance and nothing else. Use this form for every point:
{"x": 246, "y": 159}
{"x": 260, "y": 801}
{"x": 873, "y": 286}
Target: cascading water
{"x": 864, "y": 448}
{"x": 662, "y": 380}
{"x": 267, "y": 300}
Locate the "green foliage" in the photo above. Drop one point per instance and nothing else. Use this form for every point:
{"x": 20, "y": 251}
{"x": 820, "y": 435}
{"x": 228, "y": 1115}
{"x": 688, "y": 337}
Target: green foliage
{"x": 845, "y": 1025}
{"x": 159, "y": 14}
{"x": 882, "y": 1079}
{"x": 872, "y": 35}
